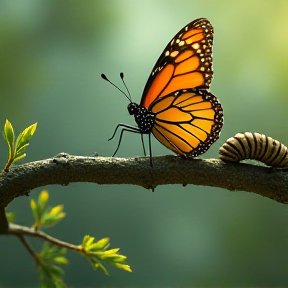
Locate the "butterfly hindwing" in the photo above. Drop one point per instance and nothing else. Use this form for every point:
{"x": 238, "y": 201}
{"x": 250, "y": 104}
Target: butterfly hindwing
{"x": 188, "y": 121}
{"x": 185, "y": 63}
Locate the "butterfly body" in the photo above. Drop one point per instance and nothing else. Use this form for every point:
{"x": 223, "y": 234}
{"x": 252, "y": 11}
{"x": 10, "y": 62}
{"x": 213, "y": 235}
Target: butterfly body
{"x": 143, "y": 117}
{"x": 176, "y": 106}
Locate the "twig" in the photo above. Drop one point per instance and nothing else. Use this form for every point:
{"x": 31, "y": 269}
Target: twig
{"x": 29, "y": 248}
{"x": 20, "y": 231}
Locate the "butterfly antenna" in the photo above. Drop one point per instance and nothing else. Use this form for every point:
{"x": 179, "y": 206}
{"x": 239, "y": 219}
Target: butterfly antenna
{"x": 122, "y": 78}
{"x": 105, "y": 78}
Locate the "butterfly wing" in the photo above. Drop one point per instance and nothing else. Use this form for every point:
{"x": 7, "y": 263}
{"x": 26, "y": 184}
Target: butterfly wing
{"x": 185, "y": 63}
{"x": 187, "y": 122}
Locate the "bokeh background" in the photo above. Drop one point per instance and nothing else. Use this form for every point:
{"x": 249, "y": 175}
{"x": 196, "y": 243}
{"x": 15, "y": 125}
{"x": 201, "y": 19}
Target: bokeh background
{"x": 51, "y": 56}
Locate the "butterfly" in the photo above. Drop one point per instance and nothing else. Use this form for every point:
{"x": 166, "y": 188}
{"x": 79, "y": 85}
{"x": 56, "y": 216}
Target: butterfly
{"x": 176, "y": 106}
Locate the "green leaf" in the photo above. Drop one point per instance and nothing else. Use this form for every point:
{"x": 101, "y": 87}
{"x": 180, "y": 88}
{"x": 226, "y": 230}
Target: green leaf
{"x": 34, "y": 209}
{"x": 124, "y": 267}
{"x": 102, "y": 243}
{"x": 86, "y": 239}
{"x": 24, "y": 137}
{"x": 9, "y": 136}
{"x": 62, "y": 251}
{"x": 10, "y": 217}
{"x": 116, "y": 258}
{"x": 53, "y": 269}
{"x": 43, "y": 199}
{"x": 111, "y": 251}
{"x": 99, "y": 265}
{"x": 89, "y": 241}
{"x": 61, "y": 260}
{"x": 18, "y": 158}
{"x": 22, "y": 149}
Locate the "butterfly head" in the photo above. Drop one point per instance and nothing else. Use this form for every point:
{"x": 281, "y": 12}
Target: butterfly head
{"x": 133, "y": 108}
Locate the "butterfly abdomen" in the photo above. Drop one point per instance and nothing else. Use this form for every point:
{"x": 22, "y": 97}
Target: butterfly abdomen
{"x": 254, "y": 146}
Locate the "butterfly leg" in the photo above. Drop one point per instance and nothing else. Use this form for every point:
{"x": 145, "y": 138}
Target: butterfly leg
{"x": 143, "y": 145}
{"x": 150, "y": 150}
{"x": 126, "y": 128}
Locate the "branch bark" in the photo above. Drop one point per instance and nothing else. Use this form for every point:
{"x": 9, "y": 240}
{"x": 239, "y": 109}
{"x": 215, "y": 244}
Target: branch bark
{"x": 64, "y": 169}
{"x": 4, "y": 225}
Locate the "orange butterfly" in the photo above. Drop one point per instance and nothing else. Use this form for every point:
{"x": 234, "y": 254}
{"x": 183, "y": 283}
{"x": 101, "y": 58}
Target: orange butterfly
{"x": 176, "y": 105}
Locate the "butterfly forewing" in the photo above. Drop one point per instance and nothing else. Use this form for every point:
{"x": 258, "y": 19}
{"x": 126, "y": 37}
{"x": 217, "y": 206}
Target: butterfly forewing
{"x": 185, "y": 63}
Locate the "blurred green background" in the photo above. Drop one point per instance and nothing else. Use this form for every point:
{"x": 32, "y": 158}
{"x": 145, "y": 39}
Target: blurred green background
{"x": 51, "y": 56}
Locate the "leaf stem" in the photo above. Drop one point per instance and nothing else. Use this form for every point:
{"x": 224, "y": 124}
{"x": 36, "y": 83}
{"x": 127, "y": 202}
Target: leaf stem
{"x": 9, "y": 162}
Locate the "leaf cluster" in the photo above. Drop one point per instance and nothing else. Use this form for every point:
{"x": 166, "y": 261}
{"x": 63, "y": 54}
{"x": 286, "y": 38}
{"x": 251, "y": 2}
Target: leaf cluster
{"x": 97, "y": 251}
{"x": 54, "y": 250}
{"x": 45, "y": 216}
{"x": 17, "y": 147}
{"x": 50, "y": 274}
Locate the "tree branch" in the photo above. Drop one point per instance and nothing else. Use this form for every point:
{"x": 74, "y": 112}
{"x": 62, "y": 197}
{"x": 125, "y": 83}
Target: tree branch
{"x": 64, "y": 169}
{"x": 3, "y": 221}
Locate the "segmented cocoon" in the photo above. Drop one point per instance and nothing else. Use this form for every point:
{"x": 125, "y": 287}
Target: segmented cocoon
{"x": 254, "y": 146}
